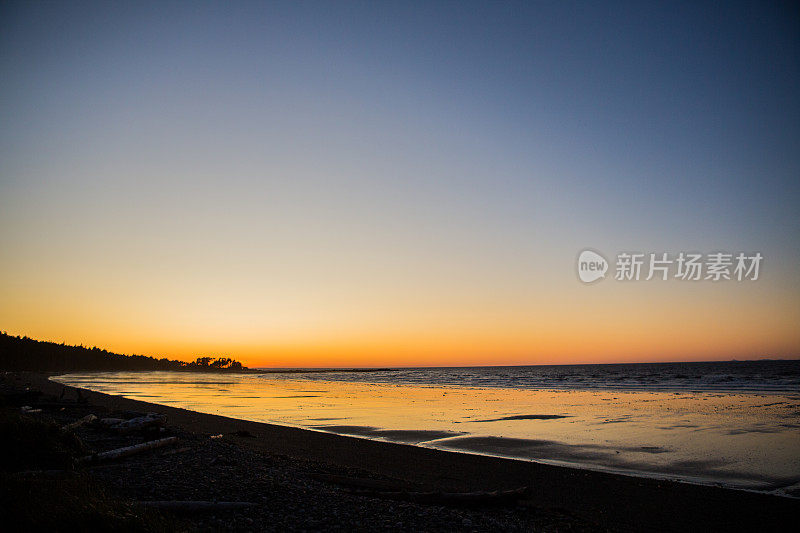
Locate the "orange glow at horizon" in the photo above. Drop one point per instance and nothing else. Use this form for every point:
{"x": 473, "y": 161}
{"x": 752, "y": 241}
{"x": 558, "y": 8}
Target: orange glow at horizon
{"x": 619, "y": 324}
{"x": 410, "y": 313}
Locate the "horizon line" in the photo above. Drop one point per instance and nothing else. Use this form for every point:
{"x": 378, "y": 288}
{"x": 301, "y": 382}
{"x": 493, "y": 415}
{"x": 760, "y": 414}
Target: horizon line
{"x": 398, "y": 367}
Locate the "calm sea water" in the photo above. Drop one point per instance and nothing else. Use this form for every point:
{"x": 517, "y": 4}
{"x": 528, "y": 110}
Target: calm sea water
{"x": 732, "y": 376}
{"x": 735, "y": 423}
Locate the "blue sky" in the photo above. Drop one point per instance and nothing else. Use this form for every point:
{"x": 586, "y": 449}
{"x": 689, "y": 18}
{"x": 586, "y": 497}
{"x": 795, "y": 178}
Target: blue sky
{"x": 377, "y": 146}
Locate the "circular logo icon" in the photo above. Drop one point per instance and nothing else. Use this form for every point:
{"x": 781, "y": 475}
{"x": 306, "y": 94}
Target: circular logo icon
{"x": 591, "y": 266}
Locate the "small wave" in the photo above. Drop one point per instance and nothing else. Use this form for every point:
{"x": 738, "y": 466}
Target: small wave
{"x": 745, "y": 377}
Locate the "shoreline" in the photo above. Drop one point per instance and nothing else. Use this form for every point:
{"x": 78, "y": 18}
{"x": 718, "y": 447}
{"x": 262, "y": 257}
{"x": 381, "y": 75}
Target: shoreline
{"x": 588, "y": 438}
{"x": 557, "y": 463}
{"x": 611, "y": 500}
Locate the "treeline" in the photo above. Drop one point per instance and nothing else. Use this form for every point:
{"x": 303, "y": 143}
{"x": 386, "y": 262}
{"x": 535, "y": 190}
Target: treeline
{"x": 23, "y": 353}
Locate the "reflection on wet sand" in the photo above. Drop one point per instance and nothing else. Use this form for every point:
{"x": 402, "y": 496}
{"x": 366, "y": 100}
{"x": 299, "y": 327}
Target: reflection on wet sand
{"x": 524, "y": 417}
{"x": 744, "y": 440}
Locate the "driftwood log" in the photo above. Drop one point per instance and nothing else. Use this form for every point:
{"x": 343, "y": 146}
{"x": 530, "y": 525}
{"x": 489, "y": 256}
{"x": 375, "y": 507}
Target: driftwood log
{"x": 128, "y": 450}
{"x": 152, "y": 420}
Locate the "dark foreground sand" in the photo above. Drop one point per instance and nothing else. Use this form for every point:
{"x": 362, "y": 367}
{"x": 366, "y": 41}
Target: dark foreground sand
{"x": 296, "y": 478}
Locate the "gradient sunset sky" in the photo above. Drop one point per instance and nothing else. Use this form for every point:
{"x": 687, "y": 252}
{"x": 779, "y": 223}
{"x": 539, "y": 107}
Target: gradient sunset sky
{"x": 397, "y": 183}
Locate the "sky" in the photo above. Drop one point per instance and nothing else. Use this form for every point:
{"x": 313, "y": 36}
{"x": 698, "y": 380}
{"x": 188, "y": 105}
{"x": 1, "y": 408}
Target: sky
{"x": 398, "y": 183}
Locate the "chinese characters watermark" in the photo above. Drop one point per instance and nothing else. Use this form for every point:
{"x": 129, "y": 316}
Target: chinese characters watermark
{"x": 684, "y": 266}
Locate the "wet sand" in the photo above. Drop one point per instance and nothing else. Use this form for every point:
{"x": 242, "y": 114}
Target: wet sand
{"x": 611, "y": 501}
{"x": 739, "y": 440}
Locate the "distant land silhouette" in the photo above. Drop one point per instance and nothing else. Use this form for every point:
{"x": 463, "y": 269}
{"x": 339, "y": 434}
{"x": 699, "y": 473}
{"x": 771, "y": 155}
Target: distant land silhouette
{"x": 24, "y": 353}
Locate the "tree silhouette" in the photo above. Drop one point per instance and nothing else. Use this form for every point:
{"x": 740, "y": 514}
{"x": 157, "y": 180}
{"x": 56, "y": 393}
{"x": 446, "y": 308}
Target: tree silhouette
{"x": 23, "y": 353}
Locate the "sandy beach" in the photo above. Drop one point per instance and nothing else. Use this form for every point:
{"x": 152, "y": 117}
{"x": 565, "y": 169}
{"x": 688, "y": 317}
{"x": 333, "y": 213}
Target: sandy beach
{"x": 694, "y": 436}
{"x": 321, "y": 469}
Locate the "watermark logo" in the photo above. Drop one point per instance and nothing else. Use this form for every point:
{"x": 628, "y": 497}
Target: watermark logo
{"x": 684, "y": 266}
{"x": 591, "y": 266}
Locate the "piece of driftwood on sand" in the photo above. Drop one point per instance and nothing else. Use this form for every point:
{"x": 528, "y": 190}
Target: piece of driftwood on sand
{"x": 152, "y": 420}
{"x": 128, "y": 450}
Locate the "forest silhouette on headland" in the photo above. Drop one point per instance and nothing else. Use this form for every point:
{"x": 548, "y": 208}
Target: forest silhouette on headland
{"x": 23, "y": 353}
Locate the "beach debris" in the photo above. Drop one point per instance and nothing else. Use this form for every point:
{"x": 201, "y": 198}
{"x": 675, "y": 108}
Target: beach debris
{"x": 88, "y": 419}
{"x": 151, "y": 420}
{"x": 128, "y": 450}
{"x": 218, "y": 436}
{"x": 111, "y": 421}
{"x": 29, "y": 410}
{"x": 195, "y": 506}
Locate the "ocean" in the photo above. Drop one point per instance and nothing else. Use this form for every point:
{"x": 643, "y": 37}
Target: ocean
{"x": 734, "y": 424}
{"x": 730, "y": 376}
